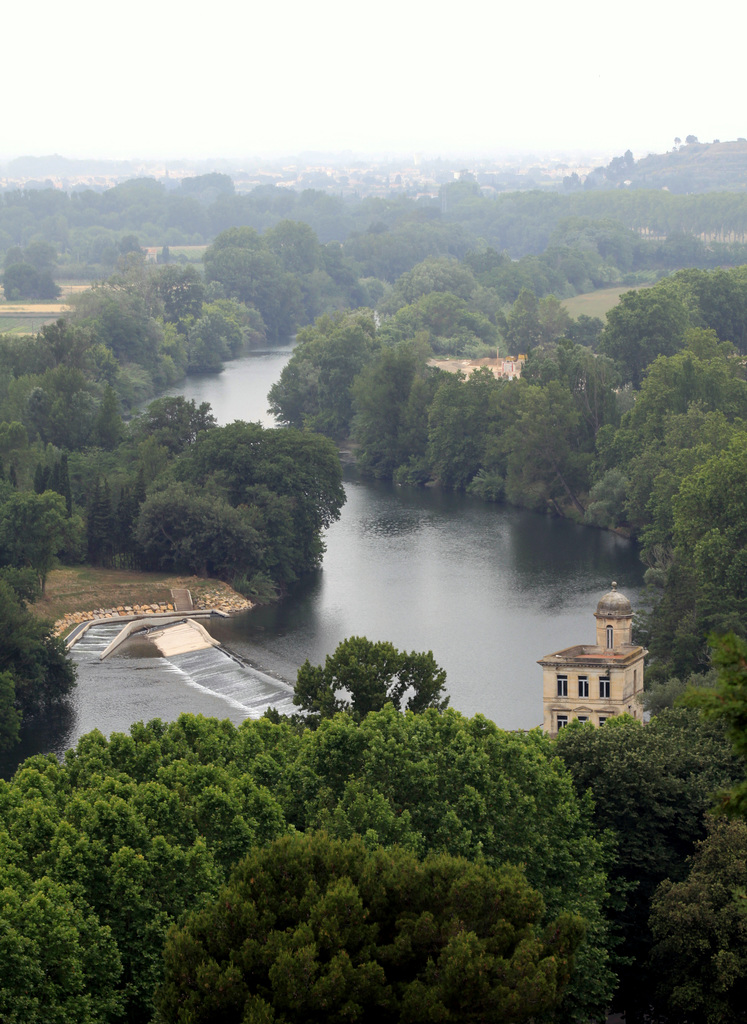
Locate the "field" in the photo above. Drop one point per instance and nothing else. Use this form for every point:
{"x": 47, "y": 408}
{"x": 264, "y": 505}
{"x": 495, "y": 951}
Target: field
{"x": 597, "y": 303}
{"x": 70, "y": 288}
{"x": 28, "y": 319}
{"x": 190, "y": 253}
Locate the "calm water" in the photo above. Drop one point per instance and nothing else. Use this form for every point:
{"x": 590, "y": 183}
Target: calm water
{"x": 240, "y": 392}
{"x": 489, "y": 590}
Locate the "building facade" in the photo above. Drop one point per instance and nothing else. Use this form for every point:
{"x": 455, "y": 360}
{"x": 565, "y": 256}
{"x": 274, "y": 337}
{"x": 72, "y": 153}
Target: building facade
{"x": 594, "y": 682}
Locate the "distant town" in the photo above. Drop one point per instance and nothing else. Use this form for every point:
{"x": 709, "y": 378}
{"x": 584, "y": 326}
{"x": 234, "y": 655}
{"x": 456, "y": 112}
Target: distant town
{"x": 415, "y": 176}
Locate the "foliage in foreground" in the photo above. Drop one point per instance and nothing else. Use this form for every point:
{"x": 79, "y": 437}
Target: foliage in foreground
{"x": 699, "y": 927}
{"x": 652, "y": 787}
{"x": 316, "y": 930}
{"x": 727, "y": 702}
{"x": 139, "y": 829}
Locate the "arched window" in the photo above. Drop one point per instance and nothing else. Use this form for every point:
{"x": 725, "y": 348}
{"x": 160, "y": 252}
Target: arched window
{"x": 610, "y": 637}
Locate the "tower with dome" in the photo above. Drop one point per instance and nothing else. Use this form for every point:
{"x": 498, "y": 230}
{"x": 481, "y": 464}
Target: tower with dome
{"x": 595, "y": 682}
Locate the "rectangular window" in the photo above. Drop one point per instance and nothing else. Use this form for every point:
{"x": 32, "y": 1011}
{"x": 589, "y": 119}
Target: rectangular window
{"x": 610, "y": 637}
{"x": 604, "y": 687}
{"x": 583, "y": 686}
{"x": 583, "y": 718}
{"x": 562, "y": 721}
{"x": 562, "y": 686}
{"x": 602, "y": 719}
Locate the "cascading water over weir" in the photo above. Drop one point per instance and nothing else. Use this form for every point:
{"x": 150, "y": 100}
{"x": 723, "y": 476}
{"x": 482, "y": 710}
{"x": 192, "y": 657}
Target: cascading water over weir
{"x": 186, "y": 649}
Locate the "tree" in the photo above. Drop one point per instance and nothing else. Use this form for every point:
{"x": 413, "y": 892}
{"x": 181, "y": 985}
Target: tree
{"x": 462, "y": 419}
{"x": 585, "y": 330}
{"x": 24, "y": 281}
{"x": 23, "y": 581}
{"x": 705, "y": 373}
{"x": 58, "y": 961}
{"x": 329, "y": 932}
{"x": 643, "y": 325}
{"x": 33, "y": 529}
{"x": 143, "y": 827}
{"x": 255, "y": 276}
{"x": 34, "y": 659}
{"x": 295, "y": 474}
{"x": 295, "y": 245}
{"x": 120, "y": 319}
{"x": 591, "y": 380}
{"x": 452, "y": 326}
{"x": 100, "y": 525}
{"x": 651, "y": 787}
{"x": 10, "y": 716}
{"x": 524, "y": 328}
{"x": 435, "y": 274}
{"x": 554, "y": 319}
{"x": 127, "y": 851}
{"x": 108, "y": 426}
{"x": 710, "y": 539}
{"x": 182, "y": 292}
{"x": 391, "y": 397}
{"x": 727, "y": 702}
{"x": 314, "y": 389}
{"x": 699, "y": 927}
{"x": 40, "y": 254}
{"x": 175, "y": 422}
{"x": 372, "y": 674}
{"x": 183, "y": 530}
{"x": 544, "y": 457}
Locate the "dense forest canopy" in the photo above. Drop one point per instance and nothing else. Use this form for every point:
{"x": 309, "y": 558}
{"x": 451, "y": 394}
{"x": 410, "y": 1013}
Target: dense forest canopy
{"x": 106, "y": 851}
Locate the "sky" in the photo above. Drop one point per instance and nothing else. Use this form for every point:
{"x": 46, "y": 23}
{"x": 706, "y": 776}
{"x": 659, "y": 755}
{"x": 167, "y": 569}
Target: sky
{"x": 161, "y": 79}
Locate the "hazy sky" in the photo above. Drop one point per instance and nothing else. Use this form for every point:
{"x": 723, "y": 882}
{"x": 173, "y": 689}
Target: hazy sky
{"x": 161, "y": 78}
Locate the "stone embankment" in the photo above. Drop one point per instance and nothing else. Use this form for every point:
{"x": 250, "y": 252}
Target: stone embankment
{"x": 223, "y": 599}
{"x": 220, "y": 599}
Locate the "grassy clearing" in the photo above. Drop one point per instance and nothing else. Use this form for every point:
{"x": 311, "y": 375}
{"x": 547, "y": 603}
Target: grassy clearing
{"x": 83, "y": 588}
{"x": 190, "y": 253}
{"x": 597, "y": 303}
{"x": 70, "y": 288}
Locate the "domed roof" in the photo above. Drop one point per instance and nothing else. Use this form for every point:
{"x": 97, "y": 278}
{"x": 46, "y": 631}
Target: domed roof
{"x": 614, "y": 605}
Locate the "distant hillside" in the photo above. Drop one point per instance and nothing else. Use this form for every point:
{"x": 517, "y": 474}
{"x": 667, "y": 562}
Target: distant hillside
{"x": 689, "y": 167}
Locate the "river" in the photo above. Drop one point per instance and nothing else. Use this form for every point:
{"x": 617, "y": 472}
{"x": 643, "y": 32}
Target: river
{"x": 488, "y": 589}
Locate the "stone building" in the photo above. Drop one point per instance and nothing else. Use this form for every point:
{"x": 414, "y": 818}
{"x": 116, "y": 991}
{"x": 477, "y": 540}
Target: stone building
{"x": 594, "y": 682}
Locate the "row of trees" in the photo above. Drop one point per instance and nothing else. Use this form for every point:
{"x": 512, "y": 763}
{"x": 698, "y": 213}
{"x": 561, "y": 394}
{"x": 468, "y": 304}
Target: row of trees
{"x": 89, "y": 226}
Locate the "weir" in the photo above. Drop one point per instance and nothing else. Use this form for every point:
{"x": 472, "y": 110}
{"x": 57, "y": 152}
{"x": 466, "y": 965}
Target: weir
{"x": 172, "y": 635}
{"x": 135, "y": 685}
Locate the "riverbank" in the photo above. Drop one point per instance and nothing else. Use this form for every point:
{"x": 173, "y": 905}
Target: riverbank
{"x": 77, "y": 594}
